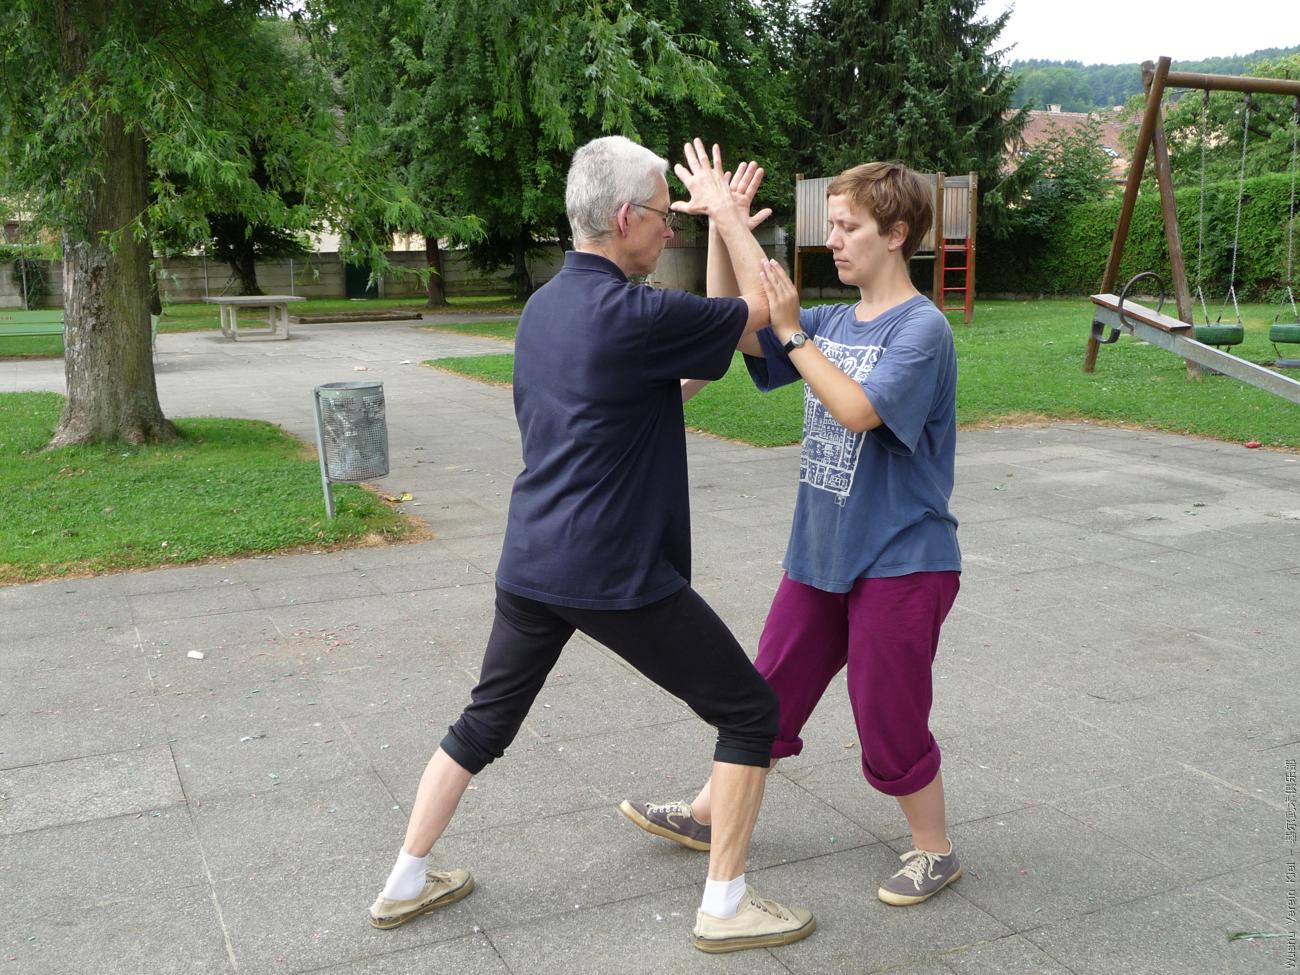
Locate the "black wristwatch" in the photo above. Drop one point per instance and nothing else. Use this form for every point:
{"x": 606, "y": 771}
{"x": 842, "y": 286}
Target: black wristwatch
{"x": 796, "y": 342}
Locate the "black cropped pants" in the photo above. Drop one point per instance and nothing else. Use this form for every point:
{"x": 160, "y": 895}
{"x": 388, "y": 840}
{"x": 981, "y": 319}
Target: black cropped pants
{"x": 677, "y": 642}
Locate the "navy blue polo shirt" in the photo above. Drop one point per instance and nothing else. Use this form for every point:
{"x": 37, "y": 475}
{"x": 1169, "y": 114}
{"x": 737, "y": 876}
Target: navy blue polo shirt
{"x": 599, "y": 517}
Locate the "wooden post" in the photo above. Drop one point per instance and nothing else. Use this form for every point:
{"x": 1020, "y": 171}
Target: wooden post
{"x": 1155, "y": 93}
{"x": 1173, "y": 239}
{"x": 938, "y": 240}
{"x": 973, "y": 203}
{"x": 798, "y": 251}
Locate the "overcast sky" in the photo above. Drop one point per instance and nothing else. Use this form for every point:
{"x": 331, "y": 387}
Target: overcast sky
{"x": 1132, "y": 31}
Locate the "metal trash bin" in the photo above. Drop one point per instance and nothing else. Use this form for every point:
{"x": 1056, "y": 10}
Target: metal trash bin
{"x": 351, "y": 434}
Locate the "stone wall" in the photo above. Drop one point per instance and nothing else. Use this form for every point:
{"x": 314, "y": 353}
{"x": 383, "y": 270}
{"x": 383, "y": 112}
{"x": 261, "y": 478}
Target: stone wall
{"x": 323, "y": 275}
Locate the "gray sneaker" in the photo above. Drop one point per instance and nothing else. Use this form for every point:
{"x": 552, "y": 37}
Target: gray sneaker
{"x": 671, "y": 820}
{"x": 923, "y": 875}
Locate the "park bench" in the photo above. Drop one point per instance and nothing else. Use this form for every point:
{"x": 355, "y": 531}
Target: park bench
{"x": 30, "y": 323}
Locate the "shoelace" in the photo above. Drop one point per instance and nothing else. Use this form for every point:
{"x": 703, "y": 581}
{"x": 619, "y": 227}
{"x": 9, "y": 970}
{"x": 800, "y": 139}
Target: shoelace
{"x": 767, "y": 906}
{"x": 681, "y": 808}
{"x": 917, "y": 865}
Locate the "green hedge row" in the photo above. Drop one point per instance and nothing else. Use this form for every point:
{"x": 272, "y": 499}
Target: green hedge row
{"x": 1071, "y": 258}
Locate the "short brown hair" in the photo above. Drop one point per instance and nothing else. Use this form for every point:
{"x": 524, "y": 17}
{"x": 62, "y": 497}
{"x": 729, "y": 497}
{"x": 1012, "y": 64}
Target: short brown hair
{"x": 890, "y": 192}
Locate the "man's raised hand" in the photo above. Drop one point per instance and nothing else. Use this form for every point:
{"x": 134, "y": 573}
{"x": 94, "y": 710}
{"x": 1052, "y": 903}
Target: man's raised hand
{"x": 706, "y": 182}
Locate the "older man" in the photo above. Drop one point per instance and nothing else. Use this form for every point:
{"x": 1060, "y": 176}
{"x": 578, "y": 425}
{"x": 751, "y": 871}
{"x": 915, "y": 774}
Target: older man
{"x": 598, "y": 535}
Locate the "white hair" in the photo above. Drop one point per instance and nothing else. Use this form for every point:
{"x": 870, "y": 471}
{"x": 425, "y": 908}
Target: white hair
{"x": 605, "y": 174}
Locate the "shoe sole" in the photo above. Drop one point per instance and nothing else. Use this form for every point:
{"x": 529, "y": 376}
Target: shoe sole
{"x": 903, "y": 900}
{"x": 451, "y": 897}
{"x": 627, "y": 809}
{"x": 718, "y": 946}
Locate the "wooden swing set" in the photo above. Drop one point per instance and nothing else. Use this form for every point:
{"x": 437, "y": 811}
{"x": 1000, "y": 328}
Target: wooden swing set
{"x": 1200, "y": 345}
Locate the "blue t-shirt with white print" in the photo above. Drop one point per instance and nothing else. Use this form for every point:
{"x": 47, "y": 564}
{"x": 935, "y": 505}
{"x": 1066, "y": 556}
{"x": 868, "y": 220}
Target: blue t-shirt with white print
{"x": 874, "y": 504}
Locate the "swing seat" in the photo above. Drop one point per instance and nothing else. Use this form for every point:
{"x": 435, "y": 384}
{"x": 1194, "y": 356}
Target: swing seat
{"x": 1285, "y": 333}
{"x": 1220, "y": 335}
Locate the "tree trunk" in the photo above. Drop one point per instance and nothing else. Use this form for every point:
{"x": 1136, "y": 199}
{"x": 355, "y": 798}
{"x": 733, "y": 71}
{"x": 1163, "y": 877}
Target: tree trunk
{"x": 107, "y": 362}
{"x": 244, "y": 264}
{"x": 523, "y": 280}
{"x": 437, "y": 285}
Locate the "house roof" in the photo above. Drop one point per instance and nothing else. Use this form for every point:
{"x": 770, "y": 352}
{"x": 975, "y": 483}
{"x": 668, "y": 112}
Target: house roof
{"x": 1041, "y": 126}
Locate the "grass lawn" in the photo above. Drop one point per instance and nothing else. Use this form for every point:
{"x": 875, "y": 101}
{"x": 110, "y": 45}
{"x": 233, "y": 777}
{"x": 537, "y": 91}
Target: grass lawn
{"x": 226, "y": 487}
{"x": 197, "y": 316}
{"x": 1022, "y": 359}
{"x": 505, "y": 331}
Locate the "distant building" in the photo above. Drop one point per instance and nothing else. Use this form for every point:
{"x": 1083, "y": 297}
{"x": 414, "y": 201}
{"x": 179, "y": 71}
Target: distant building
{"x": 1042, "y": 124}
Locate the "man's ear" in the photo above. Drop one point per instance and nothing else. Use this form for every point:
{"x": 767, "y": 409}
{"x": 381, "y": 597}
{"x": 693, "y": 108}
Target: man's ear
{"x": 621, "y": 218}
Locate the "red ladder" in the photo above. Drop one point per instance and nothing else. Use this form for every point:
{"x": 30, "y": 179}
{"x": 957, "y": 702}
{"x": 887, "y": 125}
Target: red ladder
{"x": 967, "y": 305}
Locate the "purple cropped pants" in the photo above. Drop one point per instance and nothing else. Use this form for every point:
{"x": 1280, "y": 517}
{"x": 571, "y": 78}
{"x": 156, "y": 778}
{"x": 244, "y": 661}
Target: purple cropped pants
{"x": 886, "y": 631}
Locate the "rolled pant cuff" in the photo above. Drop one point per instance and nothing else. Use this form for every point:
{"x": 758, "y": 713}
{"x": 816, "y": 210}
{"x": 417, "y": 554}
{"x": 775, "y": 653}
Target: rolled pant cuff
{"x": 758, "y": 758}
{"x": 787, "y": 749}
{"x": 463, "y": 755}
{"x": 917, "y": 778}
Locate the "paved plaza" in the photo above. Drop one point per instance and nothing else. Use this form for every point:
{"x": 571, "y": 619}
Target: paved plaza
{"x": 1116, "y": 700}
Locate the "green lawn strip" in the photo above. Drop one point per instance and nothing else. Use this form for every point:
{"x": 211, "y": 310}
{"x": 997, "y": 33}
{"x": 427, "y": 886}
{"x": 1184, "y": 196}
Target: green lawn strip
{"x": 225, "y": 488}
{"x": 1022, "y": 359}
{"x": 503, "y": 331}
{"x": 495, "y": 370}
{"x": 482, "y": 303}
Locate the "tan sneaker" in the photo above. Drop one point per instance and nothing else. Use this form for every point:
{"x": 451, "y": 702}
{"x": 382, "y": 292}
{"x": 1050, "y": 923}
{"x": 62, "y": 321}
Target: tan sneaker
{"x": 760, "y": 923}
{"x": 440, "y": 889}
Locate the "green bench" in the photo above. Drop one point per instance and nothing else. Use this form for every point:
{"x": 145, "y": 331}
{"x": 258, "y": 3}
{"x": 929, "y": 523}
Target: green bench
{"x": 30, "y": 323}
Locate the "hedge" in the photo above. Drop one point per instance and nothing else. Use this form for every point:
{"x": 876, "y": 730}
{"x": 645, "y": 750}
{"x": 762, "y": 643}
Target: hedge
{"x": 1070, "y": 260}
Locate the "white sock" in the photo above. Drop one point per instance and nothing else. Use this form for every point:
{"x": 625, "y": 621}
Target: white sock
{"x": 722, "y": 897}
{"x": 407, "y": 879}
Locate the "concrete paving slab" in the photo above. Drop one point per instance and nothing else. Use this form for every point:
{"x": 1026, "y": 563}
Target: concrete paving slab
{"x": 972, "y": 793}
{"x": 301, "y": 915}
{"x": 353, "y": 813}
{"x": 1177, "y": 931}
{"x": 1191, "y": 824}
{"x": 96, "y": 787}
{"x": 532, "y": 782}
{"x": 855, "y": 931}
{"x": 1045, "y": 759}
{"x": 67, "y": 671}
{"x": 66, "y": 870}
{"x": 552, "y": 866}
{"x": 173, "y": 933}
{"x": 289, "y": 760}
{"x": 44, "y": 734}
{"x": 603, "y": 938}
{"x": 1036, "y": 865}
{"x": 470, "y": 955}
{"x": 1012, "y": 955}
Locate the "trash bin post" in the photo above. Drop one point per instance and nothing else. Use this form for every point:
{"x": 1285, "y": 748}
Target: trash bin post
{"x": 320, "y": 451}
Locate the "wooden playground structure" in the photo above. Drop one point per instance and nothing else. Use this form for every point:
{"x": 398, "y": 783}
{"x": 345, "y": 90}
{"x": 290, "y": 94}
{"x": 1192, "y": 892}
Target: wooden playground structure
{"x": 1200, "y": 345}
{"x": 953, "y": 256}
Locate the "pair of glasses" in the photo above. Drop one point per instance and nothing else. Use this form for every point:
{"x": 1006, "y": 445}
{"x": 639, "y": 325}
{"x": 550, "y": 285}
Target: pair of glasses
{"x": 669, "y": 216}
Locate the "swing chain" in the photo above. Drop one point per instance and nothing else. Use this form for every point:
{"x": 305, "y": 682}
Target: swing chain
{"x": 1289, "y": 294}
{"x": 1236, "y": 234}
{"x": 1200, "y": 225}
